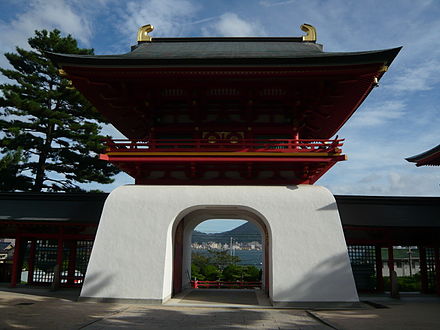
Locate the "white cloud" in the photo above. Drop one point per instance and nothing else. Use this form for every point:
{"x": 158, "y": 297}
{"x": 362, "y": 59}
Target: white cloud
{"x": 410, "y": 182}
{"x": 379, "y": 114}
{"x": 231, "y": 25}
{"x": 39, "y": 15}
{"x": 266, "y": 3}
{"x": 169, "y": 17}
{"x": 44, "y": 14}
{"x": 422, "y": 77}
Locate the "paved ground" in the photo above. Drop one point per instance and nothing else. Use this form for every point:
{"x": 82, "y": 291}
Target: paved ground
{"x": 42, "y": 309}
{"x": 215, "y": 297}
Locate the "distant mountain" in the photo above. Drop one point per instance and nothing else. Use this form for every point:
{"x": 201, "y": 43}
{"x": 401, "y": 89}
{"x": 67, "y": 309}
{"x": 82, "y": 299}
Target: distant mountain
{"x": 247, "y": 232}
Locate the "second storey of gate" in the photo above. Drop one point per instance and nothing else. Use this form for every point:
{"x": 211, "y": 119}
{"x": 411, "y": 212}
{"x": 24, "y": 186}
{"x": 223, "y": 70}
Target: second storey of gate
{"x": 257, "y": 111}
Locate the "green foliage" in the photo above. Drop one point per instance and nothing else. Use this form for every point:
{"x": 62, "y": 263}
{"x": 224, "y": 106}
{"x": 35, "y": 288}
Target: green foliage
{"x": 221, "y": 259}
{"x": 196, "y": 273}
{"x": 241, "y": 273}
{"x": 202, "y": 268}
{"x": 233, "y": 273}
{"x": 10, "y": 172}
{"x": 56, "y": 128}
{"x": 220, "y": 265}
{"x": 405, "y": 283}
{"x": 211, "y": 272}
{"x": 199, "y": 260}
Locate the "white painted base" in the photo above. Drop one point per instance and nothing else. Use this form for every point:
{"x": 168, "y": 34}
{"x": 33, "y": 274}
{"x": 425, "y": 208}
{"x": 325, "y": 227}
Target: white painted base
{"x": 132, "y": 256}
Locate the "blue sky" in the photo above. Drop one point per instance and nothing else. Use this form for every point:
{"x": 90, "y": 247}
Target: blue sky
{"x": 399, "y": 119}
{"x": 216, "y": 226}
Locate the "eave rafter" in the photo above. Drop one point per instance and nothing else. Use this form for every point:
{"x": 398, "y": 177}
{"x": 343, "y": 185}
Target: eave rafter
{"x": 137, "y": 103}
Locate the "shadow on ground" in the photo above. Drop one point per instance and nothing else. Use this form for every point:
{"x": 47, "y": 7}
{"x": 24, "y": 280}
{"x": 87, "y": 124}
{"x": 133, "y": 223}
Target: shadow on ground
{"x": 207, "y": 318}
{"x": 229, "y": 297}
{"x": 35, "y": 311}
{"x": 32, "y": 310}
{"x": 40, "y": 308}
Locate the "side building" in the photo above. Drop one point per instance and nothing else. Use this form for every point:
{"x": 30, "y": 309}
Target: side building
{"x": 52, "y": 229}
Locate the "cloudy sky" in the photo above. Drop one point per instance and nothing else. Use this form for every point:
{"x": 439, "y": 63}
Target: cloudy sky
{"x": 399, "y": 119}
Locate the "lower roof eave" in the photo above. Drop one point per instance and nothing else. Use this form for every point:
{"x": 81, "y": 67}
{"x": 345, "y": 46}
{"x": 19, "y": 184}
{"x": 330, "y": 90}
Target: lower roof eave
{"x": 222, "y": 159}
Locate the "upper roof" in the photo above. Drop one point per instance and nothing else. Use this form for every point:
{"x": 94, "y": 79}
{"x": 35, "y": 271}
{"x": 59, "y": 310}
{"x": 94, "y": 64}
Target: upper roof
{"x": 429, "y": 157}
{"x": 323, "y": 89}
{"x": 250, "y": 51}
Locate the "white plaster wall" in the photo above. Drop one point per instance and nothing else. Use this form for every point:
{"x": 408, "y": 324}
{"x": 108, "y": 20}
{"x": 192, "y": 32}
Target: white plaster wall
{"x": 132, "y": 254}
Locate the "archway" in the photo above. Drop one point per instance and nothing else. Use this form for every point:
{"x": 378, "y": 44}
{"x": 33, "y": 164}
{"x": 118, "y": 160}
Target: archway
{"x": 182, "y": 232}
{"x": 302, "y": 265}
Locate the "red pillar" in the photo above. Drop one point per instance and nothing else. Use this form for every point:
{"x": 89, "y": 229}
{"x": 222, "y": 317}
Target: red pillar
{"x": 379, "y": 265}
{"x": 16, "y": 272}
{"x": 57, "y": 279}
{"x": 72, "y": 262}
{"x": 266, "y": 261}
{"x": 178, "y": 258}
{"x": 423, "y": 270}
{"x": 31, "y": 262}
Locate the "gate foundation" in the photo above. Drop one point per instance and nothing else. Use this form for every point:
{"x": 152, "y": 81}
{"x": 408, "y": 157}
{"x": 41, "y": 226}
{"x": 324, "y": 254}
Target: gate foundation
{"x": 132, "y": 257}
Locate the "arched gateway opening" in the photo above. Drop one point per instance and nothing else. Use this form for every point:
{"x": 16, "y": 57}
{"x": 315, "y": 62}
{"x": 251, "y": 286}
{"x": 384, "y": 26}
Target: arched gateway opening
{"x": 182, "y": 233}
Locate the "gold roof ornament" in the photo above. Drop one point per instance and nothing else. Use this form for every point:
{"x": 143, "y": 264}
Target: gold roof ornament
{"x": 62, "y": 73}
{"x": 310, "y": 32}
{"x": 143, "y": 33}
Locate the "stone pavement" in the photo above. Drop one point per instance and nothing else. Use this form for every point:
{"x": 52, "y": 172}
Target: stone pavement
{"x": 219, "y": 297}
{"x": 25, "y": 308}
{"x": 207, "y": 318}
{"x": 410, "y": 312}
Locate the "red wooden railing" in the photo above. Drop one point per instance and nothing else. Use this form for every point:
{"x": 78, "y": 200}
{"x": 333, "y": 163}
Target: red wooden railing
{"x": 204, "y": 145}
{"x": 224, "y": 285}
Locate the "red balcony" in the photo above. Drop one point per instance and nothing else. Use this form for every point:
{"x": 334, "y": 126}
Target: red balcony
{"x": 213, "y": 162}
{"x": 272, "y": 146}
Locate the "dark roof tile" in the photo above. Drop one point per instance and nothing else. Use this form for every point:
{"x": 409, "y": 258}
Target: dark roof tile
{"x": 211, "y": 51}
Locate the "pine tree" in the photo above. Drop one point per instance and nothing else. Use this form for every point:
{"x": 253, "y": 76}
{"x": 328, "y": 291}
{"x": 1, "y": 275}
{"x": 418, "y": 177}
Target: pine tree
{"x": 10, "y": 172}
{"x": 55, "y": 126}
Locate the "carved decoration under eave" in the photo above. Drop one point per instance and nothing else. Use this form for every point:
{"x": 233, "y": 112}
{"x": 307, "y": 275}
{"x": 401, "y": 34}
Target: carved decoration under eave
{"x": 143, "y": 33}
{"x": 310, "y": 32}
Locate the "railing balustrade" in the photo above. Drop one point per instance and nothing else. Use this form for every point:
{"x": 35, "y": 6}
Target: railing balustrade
{"x": 204, "y": 145}
{"x": 225, "y": 284}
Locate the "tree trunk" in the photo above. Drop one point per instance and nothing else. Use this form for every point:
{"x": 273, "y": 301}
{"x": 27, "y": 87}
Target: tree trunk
{"x": 41, "y": 167}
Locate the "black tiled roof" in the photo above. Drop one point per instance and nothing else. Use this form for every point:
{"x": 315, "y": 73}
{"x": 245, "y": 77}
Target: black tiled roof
{"x": 52, "y": 207}
{"x": 224, "y": 48}
{"x": 250, "y": 51}
{"x": 423, "y": 155}
{"x": 389, "y": 211}
{"x": 370, "y": 211}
